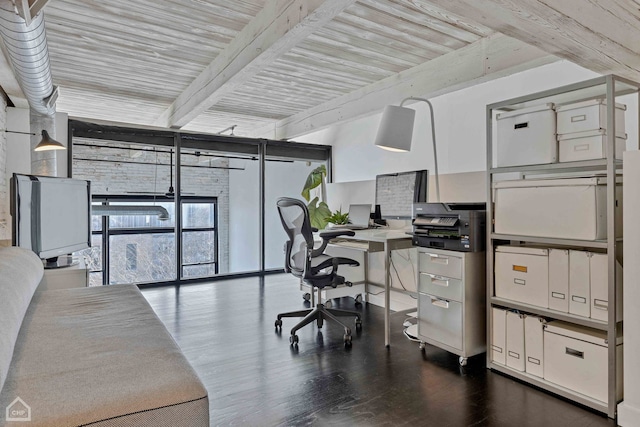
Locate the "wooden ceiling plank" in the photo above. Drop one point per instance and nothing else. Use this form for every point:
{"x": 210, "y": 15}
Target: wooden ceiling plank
{"x": 274, "y": 31}
{"x": 484, "y": 60}
{"x": 599, "y": 35}
{"x": 407, "y": 11}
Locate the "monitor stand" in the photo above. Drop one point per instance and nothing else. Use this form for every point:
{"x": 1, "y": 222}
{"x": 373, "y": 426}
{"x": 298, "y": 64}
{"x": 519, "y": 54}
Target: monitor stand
{"x": 59, "y": 262}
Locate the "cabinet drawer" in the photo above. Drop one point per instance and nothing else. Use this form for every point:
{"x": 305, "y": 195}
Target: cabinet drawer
{"x": 440, "y": 320}
{"x": 440, "y": 265}
{"x": 440, "y": 286}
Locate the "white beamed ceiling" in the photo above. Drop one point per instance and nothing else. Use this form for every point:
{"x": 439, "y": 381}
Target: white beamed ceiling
{"x": 281, "y": 68}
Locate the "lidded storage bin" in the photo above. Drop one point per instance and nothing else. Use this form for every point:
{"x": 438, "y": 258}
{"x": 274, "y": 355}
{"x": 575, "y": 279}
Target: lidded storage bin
{"x": 527, "y": 136}
{"x": 588, "y": 116}
{"x": 588, "y": 145}
{"x": 575, "y": 357}
{"x": 522, "y": 274}
{"x": 572, "y": 208}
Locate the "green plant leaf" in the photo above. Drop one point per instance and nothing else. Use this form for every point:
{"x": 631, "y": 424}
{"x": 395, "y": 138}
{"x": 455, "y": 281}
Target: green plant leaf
{"x": 314, "y": 179}
{"x": 338, "y": 217}
{"x": 318, "y": 213}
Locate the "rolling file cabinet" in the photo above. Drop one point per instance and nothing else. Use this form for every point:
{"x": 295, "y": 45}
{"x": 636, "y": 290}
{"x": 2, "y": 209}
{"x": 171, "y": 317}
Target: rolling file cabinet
{"x": 451, "y": 301}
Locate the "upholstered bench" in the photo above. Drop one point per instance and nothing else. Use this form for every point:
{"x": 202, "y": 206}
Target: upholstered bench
{"x": 90, "y": 356}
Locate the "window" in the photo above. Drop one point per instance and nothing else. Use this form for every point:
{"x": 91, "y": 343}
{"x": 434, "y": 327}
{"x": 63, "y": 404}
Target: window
{"x": 132, "y": 256}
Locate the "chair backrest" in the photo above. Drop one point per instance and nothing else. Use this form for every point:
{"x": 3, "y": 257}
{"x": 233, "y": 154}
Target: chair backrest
{"x": 295, "y": 220}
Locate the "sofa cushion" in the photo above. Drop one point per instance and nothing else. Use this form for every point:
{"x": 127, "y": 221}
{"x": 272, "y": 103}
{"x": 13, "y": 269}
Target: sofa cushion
{"x": 100, "y": 356}
{"x": 20, "y": 273}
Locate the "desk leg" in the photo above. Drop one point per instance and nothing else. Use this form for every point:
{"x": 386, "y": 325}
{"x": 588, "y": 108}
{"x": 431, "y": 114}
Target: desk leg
{"x": 387, "y": 293}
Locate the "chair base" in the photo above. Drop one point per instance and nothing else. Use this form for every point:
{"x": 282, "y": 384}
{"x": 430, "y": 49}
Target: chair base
{"x": 319, "y": 314}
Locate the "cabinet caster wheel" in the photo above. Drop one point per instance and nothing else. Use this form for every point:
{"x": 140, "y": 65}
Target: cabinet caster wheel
{"x": 358, "y": 299}
{"x": 328, "y": 304}
{"x": 462, "y": 361}
{"x": 293, "y": 339}
{"x": 306, "y": 296}
{"x": 347, "y": 340}
{"x": 422, "y": 346}
{"x": 358, "y": 324}
{"x": 278, "y": 323}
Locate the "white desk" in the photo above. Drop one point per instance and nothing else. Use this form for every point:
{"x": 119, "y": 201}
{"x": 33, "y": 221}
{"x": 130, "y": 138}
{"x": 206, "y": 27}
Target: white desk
{"x": 377, "y": 240}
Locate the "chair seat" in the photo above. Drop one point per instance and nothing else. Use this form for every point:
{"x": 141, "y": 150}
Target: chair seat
{"x": 324, "y": 261}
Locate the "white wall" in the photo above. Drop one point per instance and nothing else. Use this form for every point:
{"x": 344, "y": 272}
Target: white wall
{"x": 459, "y": 122}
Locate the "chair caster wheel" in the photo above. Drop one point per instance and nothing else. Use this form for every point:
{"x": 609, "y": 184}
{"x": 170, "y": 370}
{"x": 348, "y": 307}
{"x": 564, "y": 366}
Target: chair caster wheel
{"x": 347, "y": 340}
{"x": 462, "y": 361}
{"x": 358, "y": 299}
{"x": 278, "y": 323}
{"x": 306, "y": 296}
{"x": 293, "y": 339}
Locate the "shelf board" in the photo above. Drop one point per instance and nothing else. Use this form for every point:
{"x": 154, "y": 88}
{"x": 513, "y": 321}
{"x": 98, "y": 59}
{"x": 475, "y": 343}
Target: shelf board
{"x": 551, "y": 387}
{"x": 583, "y": 166}
{"x": 602, "y": 244}
{"x": 540, "y": 311}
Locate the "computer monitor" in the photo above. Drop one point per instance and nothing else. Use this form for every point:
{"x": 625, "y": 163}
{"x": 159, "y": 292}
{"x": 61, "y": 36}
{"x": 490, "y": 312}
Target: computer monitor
{"x": 397, "y": 192}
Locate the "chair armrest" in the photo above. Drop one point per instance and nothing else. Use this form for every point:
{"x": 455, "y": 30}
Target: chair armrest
{"x": 332, "y": 234}
{"x": 327, "y": 236}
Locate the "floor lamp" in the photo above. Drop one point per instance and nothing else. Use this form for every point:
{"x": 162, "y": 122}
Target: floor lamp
{"x": 396, "y": 131}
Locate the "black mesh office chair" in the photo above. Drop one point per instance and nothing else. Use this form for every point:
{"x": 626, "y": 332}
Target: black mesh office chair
{"x": 312, "y": 266}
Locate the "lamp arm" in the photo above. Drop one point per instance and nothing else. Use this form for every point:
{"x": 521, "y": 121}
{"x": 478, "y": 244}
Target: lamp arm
{"x": 433, "y": 139}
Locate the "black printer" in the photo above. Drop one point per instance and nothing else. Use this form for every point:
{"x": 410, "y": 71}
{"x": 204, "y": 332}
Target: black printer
{"x": 450, "y": 226}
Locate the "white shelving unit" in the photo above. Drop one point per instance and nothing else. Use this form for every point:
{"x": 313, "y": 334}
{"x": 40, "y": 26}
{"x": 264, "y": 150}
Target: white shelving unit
{"x": 608, "y": 88}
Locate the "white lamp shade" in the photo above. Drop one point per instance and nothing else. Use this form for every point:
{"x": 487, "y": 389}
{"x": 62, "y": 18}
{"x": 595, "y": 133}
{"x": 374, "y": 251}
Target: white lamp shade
{"x": 396, "y": 128}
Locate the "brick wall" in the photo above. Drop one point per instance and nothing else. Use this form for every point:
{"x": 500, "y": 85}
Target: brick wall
{"x": 130, "y": 172}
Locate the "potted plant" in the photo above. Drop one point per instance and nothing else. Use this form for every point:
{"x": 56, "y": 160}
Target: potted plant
{"x": 318, "y": 209}
{"x": 338, "y": 218}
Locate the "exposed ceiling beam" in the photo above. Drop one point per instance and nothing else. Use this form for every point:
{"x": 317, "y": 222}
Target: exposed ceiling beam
{"x": 600, "y": 35}
{"x": 274, "y": 31}
{"x": 487, "y": 59}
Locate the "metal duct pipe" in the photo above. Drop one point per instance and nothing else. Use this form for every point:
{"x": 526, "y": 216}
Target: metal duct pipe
{"x": 108, "y": 210}
{"x": 29, "y": 55}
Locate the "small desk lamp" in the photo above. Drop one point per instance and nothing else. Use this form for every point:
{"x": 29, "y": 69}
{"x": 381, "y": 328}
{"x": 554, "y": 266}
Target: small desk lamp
{"x": 396, "y": 131}
{"x": 47, "y": 143}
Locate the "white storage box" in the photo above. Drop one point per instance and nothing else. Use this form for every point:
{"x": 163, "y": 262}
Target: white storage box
{"x": 579, "y": 283}
{"x": 533, "y": 345}
{"x": 522, "y": 274}
{"x": 588, "y": 145}
{"x": 588, "y": 115}
{"x": 498, "y": 335}
{"x": 515, "y": 341}
{"x": 572, "y": 208}
{"x": 527, "y": 136}
{"x": 599, "y": 289}
{"x": 575, "y": 357}
{"x": 559, "y": 280}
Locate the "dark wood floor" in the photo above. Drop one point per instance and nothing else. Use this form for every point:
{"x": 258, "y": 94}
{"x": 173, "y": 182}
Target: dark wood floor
{"x": 255, "y": 378}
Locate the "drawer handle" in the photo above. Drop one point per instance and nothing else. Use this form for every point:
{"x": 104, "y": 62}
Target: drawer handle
{"x": 580, "y": 118}
{"x": 440, "y": 303}
{"x": 513, "y": 354}
{"x": 575, "y": 353}
{"x": 435, "y": 258}
{"x": 576, "y": 298}
{"x": 533, "y": 360}
{"x": 440, "y": 281}
{"x": 521, "y": 125}
{"x": 519, "y": 281}
{"x": 600, "y": 304}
